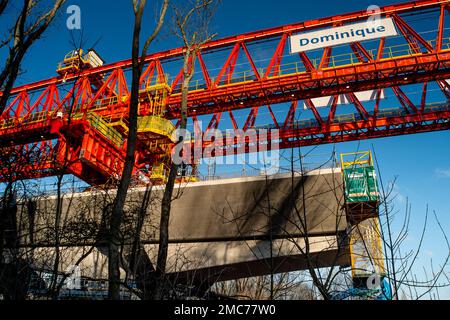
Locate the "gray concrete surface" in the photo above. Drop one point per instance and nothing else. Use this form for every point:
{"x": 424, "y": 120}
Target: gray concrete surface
{"x": 218, "y": 229}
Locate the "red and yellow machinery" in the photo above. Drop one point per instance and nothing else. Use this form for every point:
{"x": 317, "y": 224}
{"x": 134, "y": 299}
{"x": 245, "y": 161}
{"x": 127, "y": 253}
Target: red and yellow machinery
{"x": 77, "y": 122}
{"x": 362, "y": 200}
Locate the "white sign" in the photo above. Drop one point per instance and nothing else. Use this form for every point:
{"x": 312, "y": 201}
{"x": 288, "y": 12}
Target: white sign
{"x": 340, "y": 35}
{"x": 362, "y": 96}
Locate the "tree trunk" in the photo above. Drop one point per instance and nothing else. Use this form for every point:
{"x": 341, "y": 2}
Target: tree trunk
{"x": 119, "y": 203}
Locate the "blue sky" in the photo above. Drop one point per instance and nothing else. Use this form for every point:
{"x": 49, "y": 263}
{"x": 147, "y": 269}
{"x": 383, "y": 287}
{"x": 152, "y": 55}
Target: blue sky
{"x": 420, "y": 162}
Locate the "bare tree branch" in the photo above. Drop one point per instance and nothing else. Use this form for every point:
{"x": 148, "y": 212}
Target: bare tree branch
{"x": 22, "y": 40}
{"x": 119, "y": 203}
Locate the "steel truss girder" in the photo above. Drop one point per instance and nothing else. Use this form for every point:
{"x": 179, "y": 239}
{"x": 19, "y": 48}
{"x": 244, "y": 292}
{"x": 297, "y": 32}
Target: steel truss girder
{"x": 343, "y": 132}
{"x": 39, "y": 120}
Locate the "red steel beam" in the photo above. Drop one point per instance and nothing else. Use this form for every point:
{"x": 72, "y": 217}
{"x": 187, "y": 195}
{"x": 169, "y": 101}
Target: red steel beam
{"x": 349, "y": 131}
{"x": 250, "y": 36}
{"x": 93, "y": 157}
{"x": 289, "y": 137}
{"x": 374, "y": 75}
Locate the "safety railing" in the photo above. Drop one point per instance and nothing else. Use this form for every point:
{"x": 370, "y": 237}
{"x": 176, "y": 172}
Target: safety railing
{"x": 356, "y": 159}
{"x": 105, "y": 129}
{"x": 340, "y": 60}
{"x": 36, "y": 117}
{"x": 30, "y": 119}
{"x": 158, "y": 125}
{"x": 99, "y": 104}
{"x": 74, "y": 60}
{"x": 155, "y": 81}
{"x": 157, "y": 86}
{"x": 389, "y": 52}
{"x": 96, "y": 121}
{"x": 7, "y": 123}
{"x": 119, "y": 123}
{"x": 383, "y": 113}
{"x": 159, "y": 172}
{"x": 437, "y": 107}
{"x": 104, "y": 103}
{"x": 156, "y": 95}
{"x": 68, "y": 65}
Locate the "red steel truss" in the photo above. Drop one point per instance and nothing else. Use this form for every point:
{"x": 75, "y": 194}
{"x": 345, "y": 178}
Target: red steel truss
{"x": 65, "y": 119}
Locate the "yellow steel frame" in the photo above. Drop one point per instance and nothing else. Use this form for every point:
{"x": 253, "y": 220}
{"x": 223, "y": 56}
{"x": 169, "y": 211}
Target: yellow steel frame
{"x": 367, "y": 235}
{"x": 72, "y": 60}
{"x": 157, "y": 125}
{"x": 119, "y": 123}
{"x": 159, "y": 172}
{"x": 190, "y": 179}
{"x": 33, "y": 118}
{"x": 357, "y": 159}
{"x": 7, "y": 123}
{"x": 105, "y": 129}
{"x": 157, "y": 97}
{"x": 102, "y": 126}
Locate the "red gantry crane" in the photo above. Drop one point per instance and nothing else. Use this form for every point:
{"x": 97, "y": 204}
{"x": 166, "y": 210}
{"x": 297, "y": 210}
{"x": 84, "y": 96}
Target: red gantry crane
{"x": 77, "y": 122}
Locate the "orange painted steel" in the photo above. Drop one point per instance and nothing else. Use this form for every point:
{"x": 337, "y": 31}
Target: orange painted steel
{"x": 65, "y": 105}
